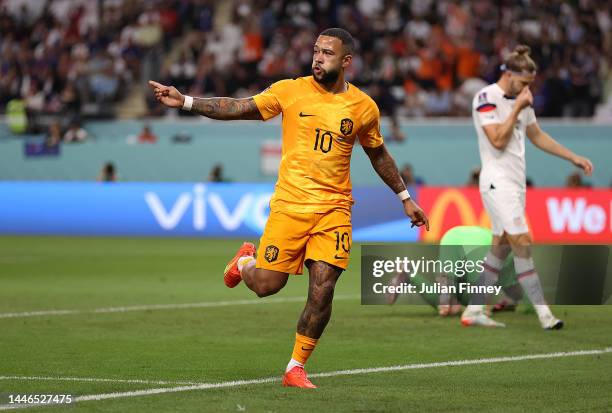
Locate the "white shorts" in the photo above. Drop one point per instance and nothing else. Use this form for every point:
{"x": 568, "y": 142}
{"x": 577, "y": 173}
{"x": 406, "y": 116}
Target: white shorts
{"x": 506, "y": 210}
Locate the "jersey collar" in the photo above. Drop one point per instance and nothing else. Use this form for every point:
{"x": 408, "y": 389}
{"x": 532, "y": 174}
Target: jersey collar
{"x": 323, "y": 90}
{"x": 504, "y": 93}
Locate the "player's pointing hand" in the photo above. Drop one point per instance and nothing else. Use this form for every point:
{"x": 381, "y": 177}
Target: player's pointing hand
{"x": 416, "y": 214}
{"x": 167, "y": 95}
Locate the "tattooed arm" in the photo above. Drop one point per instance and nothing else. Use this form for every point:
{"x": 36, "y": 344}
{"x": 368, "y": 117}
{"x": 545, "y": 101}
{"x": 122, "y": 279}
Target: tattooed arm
{"x": 226, "y": 108}
{"x": 385, "y": 167}
{"x": 220, "y": 108}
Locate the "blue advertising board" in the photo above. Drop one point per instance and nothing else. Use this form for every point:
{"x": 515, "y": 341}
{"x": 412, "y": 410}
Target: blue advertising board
{"x": 174, "y": 209}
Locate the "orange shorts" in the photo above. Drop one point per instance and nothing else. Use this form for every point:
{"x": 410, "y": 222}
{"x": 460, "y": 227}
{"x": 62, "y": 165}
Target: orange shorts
{"x": 291, "y": 238}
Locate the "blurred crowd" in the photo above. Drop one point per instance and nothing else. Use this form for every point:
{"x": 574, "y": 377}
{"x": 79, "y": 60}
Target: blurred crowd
{"x": 78, "y": 58}
{"x": 415, "y": 58}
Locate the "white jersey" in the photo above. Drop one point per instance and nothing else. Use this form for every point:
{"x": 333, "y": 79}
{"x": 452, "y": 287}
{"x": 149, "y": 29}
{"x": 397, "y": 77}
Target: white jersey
{"x": 501, "y": 169}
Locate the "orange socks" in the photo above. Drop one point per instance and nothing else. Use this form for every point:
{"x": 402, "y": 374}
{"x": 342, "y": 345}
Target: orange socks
{"x": 303, "y": 348}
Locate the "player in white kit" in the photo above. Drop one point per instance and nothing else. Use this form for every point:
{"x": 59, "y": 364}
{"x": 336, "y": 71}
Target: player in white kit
{"x": 504, "y": 118}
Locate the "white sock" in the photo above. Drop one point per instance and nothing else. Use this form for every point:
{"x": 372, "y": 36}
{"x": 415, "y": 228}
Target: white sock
{"x": 473, "y": 309}
{"x": 490, "y": 275}
{"x": 242, "y": 261}
{"x": 513, "y": 293}
{"x": 492, "y": 268}
{"x": 544, "y": 313}
{"x": 292, "y": 364}
{"x": 530, "y": 281}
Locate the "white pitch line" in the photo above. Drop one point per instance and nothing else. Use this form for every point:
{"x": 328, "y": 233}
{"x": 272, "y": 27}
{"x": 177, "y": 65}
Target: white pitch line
{"x": 235, "y": 383}
{"x": 96, "y": 380}
{"x": 148, "y": 307}
{"x": 463, "y": 362}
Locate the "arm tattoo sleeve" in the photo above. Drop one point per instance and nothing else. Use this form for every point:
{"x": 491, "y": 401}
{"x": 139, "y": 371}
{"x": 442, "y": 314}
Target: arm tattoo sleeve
{"x": 385, "y": 167}
{"x": 226, "y": 108}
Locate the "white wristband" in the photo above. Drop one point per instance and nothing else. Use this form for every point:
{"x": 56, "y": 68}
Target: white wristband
{"x": 187, "y": 103}
{"x": 403, "y": 195}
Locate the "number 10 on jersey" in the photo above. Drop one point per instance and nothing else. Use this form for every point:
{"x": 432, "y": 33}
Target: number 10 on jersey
{"x": 324, "y": 140}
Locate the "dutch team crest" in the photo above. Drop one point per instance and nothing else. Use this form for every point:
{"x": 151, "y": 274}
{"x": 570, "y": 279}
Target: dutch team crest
{"x": 346, "y": 126}
{"x": 271, "y": 253}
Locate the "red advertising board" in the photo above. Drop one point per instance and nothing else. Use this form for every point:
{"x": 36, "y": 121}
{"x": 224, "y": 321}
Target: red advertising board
{"x": 553, "y": 215}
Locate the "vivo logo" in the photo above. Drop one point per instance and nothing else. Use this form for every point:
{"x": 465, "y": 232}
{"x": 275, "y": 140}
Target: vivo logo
{"x": 576, "y": 215}
{"x": 249, "y": 205}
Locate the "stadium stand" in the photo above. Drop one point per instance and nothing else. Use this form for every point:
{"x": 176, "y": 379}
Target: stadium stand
{"x": 417, "y": 58}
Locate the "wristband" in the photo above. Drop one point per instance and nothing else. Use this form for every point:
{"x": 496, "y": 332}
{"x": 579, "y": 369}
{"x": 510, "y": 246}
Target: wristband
{"x": 187, "y": 103}
{"x": 404, "y": 195}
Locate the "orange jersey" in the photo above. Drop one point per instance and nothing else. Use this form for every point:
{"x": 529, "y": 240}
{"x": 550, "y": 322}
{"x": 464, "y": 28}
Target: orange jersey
{"x": 319, "y": 131}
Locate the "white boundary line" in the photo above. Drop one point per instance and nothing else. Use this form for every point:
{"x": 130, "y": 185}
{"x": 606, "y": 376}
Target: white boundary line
{"x": 235, "y": 383}
{"x": 96, "y": 380}
{"x": 210, "y": 304}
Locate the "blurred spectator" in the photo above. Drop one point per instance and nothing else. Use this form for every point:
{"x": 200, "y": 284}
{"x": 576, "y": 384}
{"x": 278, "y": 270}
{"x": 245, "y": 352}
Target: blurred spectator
{"x": 146, "y": 136}
{"x": 462, "y": 104}
{"x": 54, "y": 134}
{"x": 70, "y": 101}
{"x": 75, "y": 133}
{"x": 387, "y": 103}
{"x": 108, "y": 173}
{"x": 183, "y": 72}
{"x": 574, "y": 180}
{"x": 216, "y": 174}
{"x": 103, "y": 81}
{"x": 34, "y": 98}
{"x": 408, "y": 176}
{"x": 474, "y": 177}
{"x": 16, "y": 116}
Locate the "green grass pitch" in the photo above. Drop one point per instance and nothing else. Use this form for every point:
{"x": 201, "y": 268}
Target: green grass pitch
{"x": 241, "y": 340}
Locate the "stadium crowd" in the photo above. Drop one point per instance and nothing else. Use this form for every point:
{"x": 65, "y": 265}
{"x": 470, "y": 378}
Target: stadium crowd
{"x": 416, "y": 58}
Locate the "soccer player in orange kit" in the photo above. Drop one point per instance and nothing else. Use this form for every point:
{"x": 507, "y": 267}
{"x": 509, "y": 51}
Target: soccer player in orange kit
{"x": 310, "y": 211}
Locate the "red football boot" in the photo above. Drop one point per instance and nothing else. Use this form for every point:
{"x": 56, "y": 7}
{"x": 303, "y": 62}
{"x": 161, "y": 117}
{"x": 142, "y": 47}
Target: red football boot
{"x": 232, "y": 276}
{"x": 296, "y": 377}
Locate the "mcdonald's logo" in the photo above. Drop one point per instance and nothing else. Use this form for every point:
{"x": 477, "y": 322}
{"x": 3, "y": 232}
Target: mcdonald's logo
{"x": 440, "y": 201}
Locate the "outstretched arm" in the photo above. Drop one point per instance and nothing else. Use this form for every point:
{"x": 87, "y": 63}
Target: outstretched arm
{"x": 545, "y": 142}
{"x": 221, "y": 108}
{"x": 385, "y": 167}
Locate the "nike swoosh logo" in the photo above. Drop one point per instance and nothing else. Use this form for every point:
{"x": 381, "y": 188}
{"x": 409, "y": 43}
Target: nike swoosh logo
{"x": 307, "y": 349}
{"x": 303, "y": 115}
{"x": 340, "y": 258}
